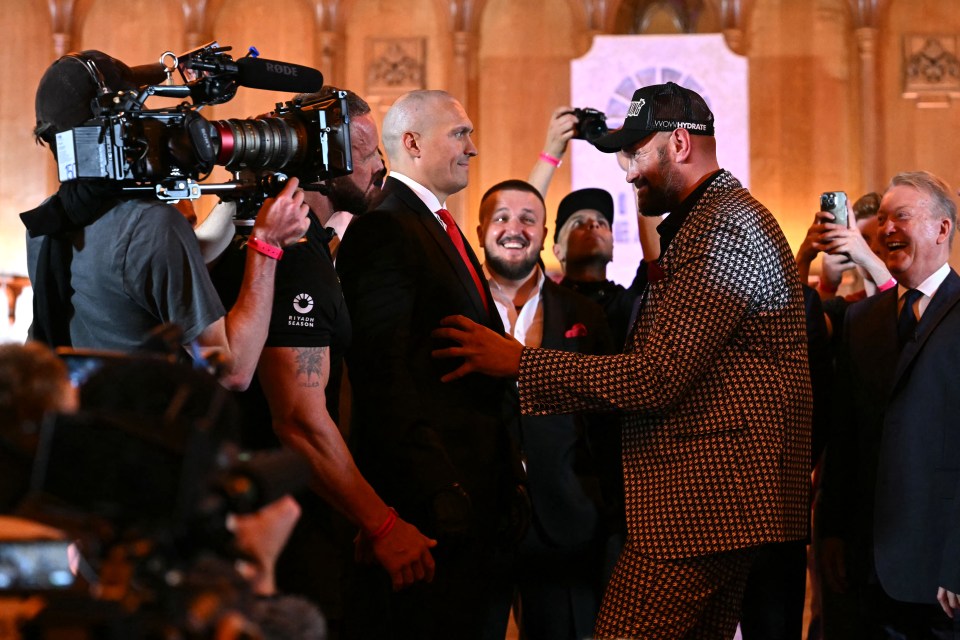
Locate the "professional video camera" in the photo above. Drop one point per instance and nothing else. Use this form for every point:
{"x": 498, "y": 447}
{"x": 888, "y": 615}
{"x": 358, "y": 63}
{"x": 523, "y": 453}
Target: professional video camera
{"x": 165, "y": 151}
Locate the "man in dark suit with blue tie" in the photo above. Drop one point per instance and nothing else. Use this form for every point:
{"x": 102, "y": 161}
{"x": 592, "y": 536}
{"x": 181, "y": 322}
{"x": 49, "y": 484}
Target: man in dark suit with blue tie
{"x": 572, "y": 462}
{"x": 441, "y": 454}
{"x": 891, "y": 488}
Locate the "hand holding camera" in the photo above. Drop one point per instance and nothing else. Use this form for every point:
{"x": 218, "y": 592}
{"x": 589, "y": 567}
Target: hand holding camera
{"x": 562, "y": 127}
{"x": 282, "y": 220}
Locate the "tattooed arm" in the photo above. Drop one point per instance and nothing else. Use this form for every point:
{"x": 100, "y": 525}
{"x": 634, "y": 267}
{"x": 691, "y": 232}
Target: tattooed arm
{"x": 294, "y": 380}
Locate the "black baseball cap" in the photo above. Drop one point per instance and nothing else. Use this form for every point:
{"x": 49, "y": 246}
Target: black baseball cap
{"x": 596, "y": 199}
{"x": 659, "y": 107}
{"x": 71, "y": 84}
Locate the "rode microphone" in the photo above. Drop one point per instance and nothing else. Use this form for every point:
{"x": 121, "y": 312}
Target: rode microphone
{"x": 259, "y": 73}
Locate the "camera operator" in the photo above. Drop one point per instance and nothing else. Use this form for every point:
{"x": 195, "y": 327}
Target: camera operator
{"x": 309, "y": 331}
{"x": 345, "y": 197}
{"x": 108, "y": 268}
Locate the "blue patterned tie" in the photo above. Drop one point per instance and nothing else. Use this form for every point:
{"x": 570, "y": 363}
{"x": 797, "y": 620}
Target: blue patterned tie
{"x": 907, "y": 321}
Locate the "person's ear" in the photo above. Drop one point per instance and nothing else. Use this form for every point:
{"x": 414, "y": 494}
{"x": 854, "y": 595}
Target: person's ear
{"x": 680, "y": 144}
{"x": 411, "y": 142}
{"x": 946, "y": 231}
{"x": 559, "y": 252}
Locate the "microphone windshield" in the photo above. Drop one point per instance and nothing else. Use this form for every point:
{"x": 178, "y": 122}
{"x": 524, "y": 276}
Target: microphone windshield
{"x": 259, "y": 73}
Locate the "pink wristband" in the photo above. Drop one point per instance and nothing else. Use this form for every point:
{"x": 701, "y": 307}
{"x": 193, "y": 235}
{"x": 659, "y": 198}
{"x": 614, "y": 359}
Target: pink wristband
{"x": 889, "y": 284}
{"x": 265, "y": 248}
{"x": 549, "y": 159}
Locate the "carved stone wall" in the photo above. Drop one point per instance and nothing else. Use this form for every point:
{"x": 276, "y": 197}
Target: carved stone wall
{"x": 395, "y": 65}
{"x": 931, "y": 69}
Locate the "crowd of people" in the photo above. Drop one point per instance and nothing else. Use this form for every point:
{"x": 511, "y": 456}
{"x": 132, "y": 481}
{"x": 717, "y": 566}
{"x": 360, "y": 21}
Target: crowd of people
{"x": 481, "y": 438}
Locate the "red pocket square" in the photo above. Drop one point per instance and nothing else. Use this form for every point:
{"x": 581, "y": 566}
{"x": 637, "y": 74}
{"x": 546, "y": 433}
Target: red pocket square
{"x": 576, "y": 331}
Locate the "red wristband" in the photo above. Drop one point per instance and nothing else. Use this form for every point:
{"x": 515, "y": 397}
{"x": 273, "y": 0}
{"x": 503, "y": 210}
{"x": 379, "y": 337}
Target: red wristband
{"x": 265, "y": 248}
{"x": 386, "y": 527}
{"x": 549, "y": 159}
{"x": 889, "y": 284}
{"x": 826, "y": 287}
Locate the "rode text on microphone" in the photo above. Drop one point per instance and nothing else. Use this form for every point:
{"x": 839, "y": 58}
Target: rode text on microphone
{"x": 165, "y": 152}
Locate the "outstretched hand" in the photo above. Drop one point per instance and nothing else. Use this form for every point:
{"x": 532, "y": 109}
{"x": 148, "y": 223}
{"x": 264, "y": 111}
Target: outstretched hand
{"x": 483, "y": 350}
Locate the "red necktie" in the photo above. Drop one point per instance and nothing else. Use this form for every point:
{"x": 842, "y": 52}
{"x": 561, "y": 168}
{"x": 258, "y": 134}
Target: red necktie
{"x": 454, "y": 232}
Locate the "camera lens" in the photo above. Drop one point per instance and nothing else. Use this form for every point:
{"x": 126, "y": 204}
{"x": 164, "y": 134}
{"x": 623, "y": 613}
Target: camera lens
{"x": 260, "y": 142}
{"x": 594, "y": 129}
{"x": 591, "y": 124}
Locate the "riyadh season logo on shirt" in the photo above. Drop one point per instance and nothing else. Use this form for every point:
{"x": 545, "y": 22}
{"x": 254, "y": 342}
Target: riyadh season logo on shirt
{"x": 302, "y": 304}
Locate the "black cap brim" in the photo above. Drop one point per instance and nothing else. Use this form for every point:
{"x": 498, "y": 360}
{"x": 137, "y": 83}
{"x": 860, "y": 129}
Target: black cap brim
{"x": 620, "y": 138}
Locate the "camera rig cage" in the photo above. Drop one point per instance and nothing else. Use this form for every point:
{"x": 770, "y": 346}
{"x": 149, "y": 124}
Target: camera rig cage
{"x": 166, "y": 152}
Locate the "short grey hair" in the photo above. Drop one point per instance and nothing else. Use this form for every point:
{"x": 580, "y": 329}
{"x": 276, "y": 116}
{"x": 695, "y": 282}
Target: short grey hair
{"x": 406, "y": 115}
{"x": 941, "y": 204}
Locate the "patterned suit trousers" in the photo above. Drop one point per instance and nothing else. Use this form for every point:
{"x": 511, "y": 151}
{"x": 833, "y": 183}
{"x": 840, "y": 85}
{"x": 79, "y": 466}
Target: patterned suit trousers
{"x": 689, "y": 598}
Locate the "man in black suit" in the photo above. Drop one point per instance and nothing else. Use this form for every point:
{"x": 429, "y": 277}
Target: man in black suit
{"x": 441, "y": 454}
{"x": 560, "y": 566}
{"x": 891, "y": 489}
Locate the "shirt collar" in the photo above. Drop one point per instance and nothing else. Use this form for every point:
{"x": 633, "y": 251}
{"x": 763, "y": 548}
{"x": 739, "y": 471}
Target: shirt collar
{"x": 425, "y": 195}
{"x": 526, "y": 323}
{"x": 669, "y": 228}
{"x": 497, "y": 292}
{"x": 929, "y": 286}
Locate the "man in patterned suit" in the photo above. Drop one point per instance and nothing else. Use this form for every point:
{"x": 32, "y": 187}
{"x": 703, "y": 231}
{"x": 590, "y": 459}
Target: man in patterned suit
{"x": 713, "y": 387}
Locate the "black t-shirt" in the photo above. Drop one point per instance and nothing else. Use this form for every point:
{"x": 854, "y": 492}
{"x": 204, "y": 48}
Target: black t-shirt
{"x": 308, "y": 311}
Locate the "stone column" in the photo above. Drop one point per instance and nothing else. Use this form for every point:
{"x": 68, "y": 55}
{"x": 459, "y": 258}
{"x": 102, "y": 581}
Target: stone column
{"x": 459, "y": 86}
{"x": 195, "y": 23}
{"x": 330, "y": 32}
{"x": 871, "y": 165}
{"x": 63, "y": 24}
{"x": 733, "y": 18}
{"x": 328, "y": 46}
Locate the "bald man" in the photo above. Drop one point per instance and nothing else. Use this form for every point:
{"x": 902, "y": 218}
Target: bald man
{"x": 440, "y": 454}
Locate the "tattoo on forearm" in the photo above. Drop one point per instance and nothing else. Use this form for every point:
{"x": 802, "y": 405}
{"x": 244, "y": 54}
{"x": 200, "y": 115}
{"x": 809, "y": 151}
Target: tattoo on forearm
{"x": 309, "y": 364}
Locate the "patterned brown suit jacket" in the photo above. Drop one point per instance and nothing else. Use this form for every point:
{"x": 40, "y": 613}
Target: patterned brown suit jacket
{"x": 713, "y": 387}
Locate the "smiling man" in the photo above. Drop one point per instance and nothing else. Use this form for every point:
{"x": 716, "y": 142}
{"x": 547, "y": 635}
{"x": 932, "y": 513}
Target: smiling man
{"x": 441, "y": 454}
{"x": 572, "y": 463}
{"x": 891, "y": 490}
{"x": 713, "y": 390}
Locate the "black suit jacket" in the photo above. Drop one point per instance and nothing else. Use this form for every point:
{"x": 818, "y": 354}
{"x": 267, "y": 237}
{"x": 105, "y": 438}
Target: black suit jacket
{"x": 892, "y": 482}
{"x": 573, "y": 461}
{"x": 414, "y": 436}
